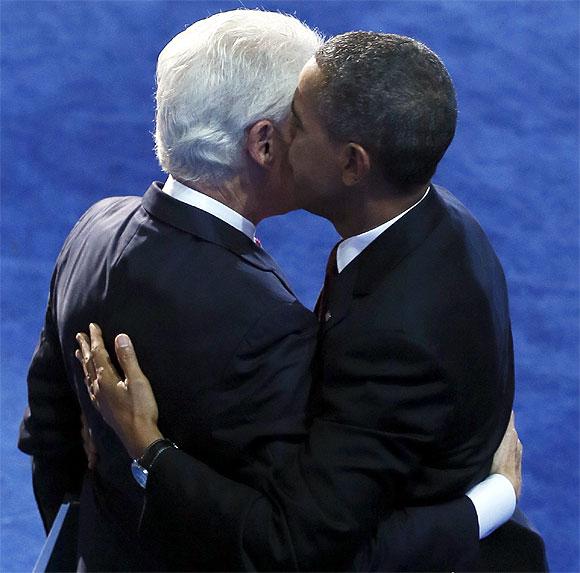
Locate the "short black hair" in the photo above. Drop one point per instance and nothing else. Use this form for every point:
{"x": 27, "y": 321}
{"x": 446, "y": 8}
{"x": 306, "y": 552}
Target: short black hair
{"x": 392, "y": 95}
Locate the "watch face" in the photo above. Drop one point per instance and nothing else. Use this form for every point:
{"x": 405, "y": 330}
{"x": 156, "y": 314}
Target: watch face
{"x": 139, "y": 474}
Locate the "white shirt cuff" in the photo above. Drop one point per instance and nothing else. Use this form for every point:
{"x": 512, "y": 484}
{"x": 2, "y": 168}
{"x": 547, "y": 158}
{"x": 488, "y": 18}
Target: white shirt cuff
{"x": 495, "y": 502}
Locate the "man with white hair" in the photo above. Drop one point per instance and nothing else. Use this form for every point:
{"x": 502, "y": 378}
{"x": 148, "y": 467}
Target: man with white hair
{"x": 183, "y": 259}
{"x": 181, "y": 270}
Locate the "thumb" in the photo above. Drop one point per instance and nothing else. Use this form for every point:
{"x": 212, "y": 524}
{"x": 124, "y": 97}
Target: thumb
{"x": 127, "y": 358}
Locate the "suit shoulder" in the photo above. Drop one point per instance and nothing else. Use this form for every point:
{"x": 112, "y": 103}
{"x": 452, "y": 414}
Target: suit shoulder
{"x": 110, "y": 205}
{"x": 462, "y": 245}
{"x": 462, "y": 221}
{"x": 104, "y": 209}
{"x": 100, "y": 220}
{"x": 199, "y": 280}
{"x": 454, "y": 278}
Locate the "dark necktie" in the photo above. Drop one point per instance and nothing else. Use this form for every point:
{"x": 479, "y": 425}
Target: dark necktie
{"x": 321, "y": 308}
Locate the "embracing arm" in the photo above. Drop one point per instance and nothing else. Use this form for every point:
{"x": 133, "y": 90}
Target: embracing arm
{"x": 275, "y": 532}
{"x": 446, "y": 536}
{"x": 259, "y": 536}
{"x": 315, "y": 512}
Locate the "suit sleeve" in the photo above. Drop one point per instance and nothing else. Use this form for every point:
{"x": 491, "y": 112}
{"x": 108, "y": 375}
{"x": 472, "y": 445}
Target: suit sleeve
{"x": 51, "y": 428}
{"x": 443, "y": 537}
{"x": 319, "y": 508}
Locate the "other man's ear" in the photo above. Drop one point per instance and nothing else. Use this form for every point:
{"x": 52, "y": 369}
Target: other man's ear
{"x": 260, "y": 143}
{"x": 356, "y": 163}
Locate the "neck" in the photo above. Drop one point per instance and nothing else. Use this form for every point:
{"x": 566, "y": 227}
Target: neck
{"x": 234, "y": 194}
{"x": 373, "y": 208}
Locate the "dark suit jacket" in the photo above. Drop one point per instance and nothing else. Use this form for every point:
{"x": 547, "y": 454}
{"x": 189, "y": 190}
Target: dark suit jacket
{"x": 228, "y": 349}
{"x": 217, "y": 327}
{"x": 412, "y": 395}
{"x": 420, "y": 320}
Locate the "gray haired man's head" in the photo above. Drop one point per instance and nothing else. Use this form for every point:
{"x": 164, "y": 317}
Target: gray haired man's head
{"x": 217, "y": 78}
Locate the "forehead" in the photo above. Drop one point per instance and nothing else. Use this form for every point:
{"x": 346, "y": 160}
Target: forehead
{"x": 309, "y": 77}
{"x": 310, "y": 72}
{"x": 307, "y": 83}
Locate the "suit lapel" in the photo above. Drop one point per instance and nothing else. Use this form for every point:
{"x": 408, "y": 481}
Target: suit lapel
{"x": 209, "y": 228}
{"x": 363, "y": 274}
{"x": 339, "y": 297}
{"x": 398, "y": 242}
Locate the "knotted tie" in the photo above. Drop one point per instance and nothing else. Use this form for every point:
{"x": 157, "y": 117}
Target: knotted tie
{"x": 330, "y": 275}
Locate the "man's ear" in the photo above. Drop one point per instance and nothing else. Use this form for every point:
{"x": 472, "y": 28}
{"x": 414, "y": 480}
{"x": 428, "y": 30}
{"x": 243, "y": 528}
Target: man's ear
{"x": 260, "y": 143}
{"x": 356, "y": 163}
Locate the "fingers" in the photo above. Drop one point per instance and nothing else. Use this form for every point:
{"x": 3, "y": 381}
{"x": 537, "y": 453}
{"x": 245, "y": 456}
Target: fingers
{"x": 96, "y": 363}
{"x": 514, "y": 434}
{"x": 96, "y": 336}
{"x": 128, "y": 359}
{"x": 518, "y": 455}
{"x": 101, "y": 358}
{"x": 507, "y": 459}
{"x": 86, "y": 357}
{"x": 511, "y": 434}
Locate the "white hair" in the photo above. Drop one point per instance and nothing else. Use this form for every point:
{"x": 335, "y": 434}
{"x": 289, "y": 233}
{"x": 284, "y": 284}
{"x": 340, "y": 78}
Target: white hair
{"x": 217, "y": 78}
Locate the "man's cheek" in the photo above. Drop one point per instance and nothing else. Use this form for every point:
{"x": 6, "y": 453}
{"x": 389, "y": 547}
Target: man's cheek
{"x": 296, "y": 154}
{"x": 288, "y": 133}
{"x": 286, "y": 170}
{"x": 291, "y": 158}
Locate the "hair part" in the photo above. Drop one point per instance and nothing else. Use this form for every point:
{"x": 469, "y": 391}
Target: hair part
{"x": 392, "y": 95}
{"x": 217, "y": 78}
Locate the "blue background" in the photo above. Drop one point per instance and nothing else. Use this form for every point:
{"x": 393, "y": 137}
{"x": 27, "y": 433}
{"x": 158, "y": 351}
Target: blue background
{"x": 77, "y": 108}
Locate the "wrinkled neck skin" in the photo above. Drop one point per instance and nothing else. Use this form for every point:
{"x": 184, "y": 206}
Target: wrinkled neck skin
{"x": 235, "y": 194}
{"x": 254, "y": 193}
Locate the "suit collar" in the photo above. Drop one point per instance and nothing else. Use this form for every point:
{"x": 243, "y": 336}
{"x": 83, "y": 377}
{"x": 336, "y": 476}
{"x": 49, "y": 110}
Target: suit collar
{"x": 361, "y": 276}
{"x": 397, "y": 242}
{"x": 210, "y": 205}
{"x": 209, "y": 228}
{"x": 350, "y": 248}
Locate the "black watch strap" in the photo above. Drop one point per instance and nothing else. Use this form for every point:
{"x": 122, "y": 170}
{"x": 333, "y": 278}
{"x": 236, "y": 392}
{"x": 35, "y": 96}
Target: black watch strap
{"x": 152, "y": 452}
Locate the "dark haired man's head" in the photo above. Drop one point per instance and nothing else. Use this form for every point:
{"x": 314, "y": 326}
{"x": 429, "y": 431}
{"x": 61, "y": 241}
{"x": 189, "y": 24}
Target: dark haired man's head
{"x": 393, "y": 96}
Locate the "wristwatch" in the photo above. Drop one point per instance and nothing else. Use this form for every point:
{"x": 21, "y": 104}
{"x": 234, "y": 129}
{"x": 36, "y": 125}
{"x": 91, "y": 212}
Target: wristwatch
{"x": 140, "y": 468}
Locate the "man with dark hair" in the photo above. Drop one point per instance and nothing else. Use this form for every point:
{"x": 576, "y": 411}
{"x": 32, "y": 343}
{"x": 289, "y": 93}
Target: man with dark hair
{"x": 394, "y": 96}
{"x": 414, "y": 366}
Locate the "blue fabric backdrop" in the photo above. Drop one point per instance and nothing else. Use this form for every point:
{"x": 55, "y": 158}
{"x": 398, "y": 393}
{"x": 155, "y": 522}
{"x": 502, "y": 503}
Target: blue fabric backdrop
{"x": 77, "y": 109}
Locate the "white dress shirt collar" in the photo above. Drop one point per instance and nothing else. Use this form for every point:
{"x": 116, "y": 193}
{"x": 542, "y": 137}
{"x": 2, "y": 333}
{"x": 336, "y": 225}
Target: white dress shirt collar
{"x": 352, "y": 247}
{"x": 196, "y": 199}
